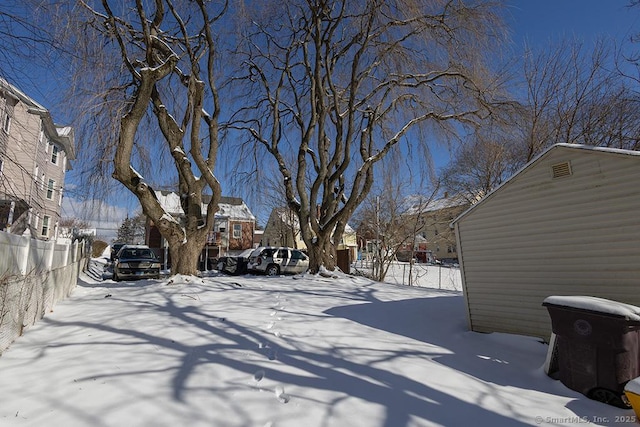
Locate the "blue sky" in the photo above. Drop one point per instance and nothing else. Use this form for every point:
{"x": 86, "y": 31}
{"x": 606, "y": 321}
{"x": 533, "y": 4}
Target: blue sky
{"x": 539, "y": 21}
{"x": 536, "y": 23}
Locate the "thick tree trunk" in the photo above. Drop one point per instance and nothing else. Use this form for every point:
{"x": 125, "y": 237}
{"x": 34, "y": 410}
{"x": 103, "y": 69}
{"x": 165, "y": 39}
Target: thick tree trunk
{"x": 185, "y": 255}
{"x": 184, "y": 259}
{"x": 322, "y": 253}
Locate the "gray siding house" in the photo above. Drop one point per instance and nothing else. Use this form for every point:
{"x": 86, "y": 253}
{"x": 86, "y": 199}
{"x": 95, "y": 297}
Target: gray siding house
{"x": 568, "y": 223}
{"x": 35, "y": 154}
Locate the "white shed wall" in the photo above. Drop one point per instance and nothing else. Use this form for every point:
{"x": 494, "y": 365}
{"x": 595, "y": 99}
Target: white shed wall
{"x": 537, "y": 236}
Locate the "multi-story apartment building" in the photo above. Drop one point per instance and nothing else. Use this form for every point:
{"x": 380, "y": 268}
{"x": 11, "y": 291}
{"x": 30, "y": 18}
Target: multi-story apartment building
{"x": 35, "y": 153}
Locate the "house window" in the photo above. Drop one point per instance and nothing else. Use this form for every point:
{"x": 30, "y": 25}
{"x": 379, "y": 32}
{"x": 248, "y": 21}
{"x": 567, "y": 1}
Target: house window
{"x": 50, "y": 186}
{"x": 237, "y": 231}
{"x": 6, "y": 123}
{"x": 45, "y": 226}
{"x": 54, "y": 154}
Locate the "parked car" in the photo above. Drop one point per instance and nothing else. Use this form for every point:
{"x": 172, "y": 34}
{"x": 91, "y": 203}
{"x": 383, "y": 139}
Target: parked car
{"x": 273, "y": 261}
{"x": 235, "y": 264}
{"x": 115, "y": 248}
{"x": 136, "y": 262}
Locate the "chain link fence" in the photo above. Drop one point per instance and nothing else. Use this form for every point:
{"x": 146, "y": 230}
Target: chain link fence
{"x": 435, "y": 276}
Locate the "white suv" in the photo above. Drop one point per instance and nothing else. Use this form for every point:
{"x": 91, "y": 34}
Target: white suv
{"x": 274, "y": 261}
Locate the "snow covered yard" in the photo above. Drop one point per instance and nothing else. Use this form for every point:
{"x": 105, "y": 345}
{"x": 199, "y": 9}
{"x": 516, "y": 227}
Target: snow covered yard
{"x": 418, "y": 274}
{"x": 285, "y": 351}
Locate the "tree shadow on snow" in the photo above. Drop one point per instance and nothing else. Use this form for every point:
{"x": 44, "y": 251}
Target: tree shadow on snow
{"x": 500, "y": 359}
{"x": 220, "y": 340}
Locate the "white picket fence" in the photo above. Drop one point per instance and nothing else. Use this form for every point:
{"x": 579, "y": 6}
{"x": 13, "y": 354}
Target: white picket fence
{"x": 34, "y": 276}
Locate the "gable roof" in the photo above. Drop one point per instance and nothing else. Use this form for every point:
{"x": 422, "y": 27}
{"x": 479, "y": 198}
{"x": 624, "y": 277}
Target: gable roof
{"x": 539, "y": 158}
{"x": 416, "y": 204}
{"x": 286, "y": 217}
{"x": 229, "y": 207}
{"x": 62, "y": 135}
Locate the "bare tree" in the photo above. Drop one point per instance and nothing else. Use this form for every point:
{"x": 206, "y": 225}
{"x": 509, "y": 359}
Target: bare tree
{"x": 482, "y": 163}
{"x": 574, "y": 96}
{"x": 158, "y": 62}
{"x": 388, "y": 223}
{"x": 24, "y": 41}
{"x": 336, "y": 86}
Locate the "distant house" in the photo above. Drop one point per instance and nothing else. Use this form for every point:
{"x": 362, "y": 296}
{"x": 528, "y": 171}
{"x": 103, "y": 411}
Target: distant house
{"x": 565, "y": 224}
{"x": 283, "y": 229}
{"x": 35, "y": 154}
{"x": 233, "y": 229}
{"x": 436, "y": 237}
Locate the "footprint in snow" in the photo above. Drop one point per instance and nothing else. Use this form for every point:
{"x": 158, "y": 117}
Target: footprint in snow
{"x": 270, "y": 325}
{"x": 272, "y": 354}
{"x": 281, "y": 395}
{"x": 258, "y": 376}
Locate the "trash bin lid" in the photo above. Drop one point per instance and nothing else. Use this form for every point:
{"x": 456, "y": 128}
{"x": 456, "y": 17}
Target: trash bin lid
{"x": 600, "y": 305}
{"x": 633, "y": 386}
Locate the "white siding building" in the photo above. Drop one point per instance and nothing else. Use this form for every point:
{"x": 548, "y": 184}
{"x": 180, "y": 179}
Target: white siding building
{"x": 568, "y": 223}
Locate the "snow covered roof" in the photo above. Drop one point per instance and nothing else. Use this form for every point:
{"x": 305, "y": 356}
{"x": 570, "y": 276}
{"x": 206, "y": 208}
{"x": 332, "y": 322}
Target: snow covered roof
{"x": 238, "y": 212}
{"x": 229, "y": 207}
{"x": 416, "y": 204}
{"x": 291, "y": 220}
{"x": 19, "y": 95}
{"x": 633, "y": 386}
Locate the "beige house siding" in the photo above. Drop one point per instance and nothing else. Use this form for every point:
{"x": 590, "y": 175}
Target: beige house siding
{"x": 537, "y": 236}
{"x": 26, "y": 153}
{"x": 282, "y": 229}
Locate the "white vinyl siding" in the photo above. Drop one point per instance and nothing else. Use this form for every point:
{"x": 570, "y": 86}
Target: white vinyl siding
{"x": 538, "y": 236}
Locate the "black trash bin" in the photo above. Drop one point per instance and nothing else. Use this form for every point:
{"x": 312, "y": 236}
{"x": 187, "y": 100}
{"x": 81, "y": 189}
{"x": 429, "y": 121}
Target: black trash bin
{"x": 597, "y": 344}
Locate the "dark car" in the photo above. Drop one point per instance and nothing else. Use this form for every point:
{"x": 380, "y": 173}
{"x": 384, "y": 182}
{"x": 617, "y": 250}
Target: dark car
{"x": 136, "y": 262}
{"x": 235, "y": 265}
{"x": 115, "y": 248}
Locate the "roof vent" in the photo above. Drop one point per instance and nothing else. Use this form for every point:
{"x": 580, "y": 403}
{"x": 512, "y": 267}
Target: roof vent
{"x": 560, "y": 170}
